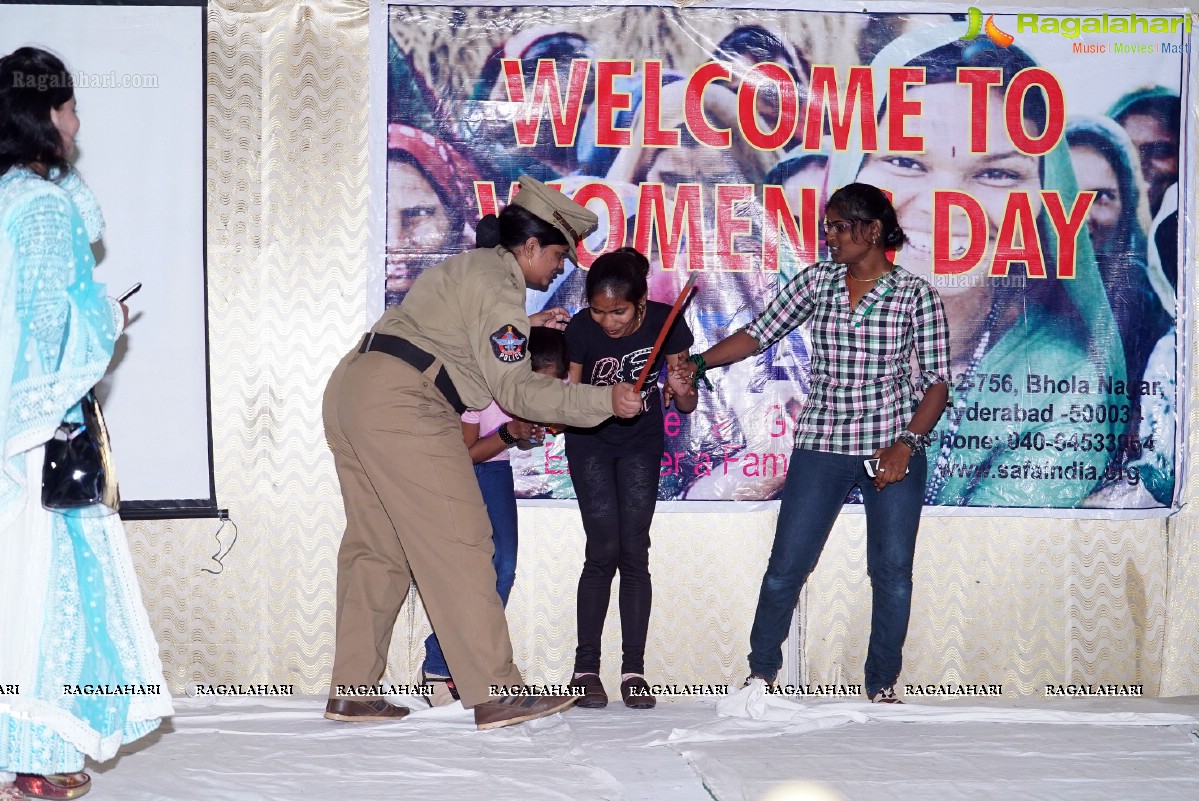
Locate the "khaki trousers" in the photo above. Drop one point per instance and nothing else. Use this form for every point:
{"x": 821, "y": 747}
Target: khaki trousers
{"x": 413, "y": 511}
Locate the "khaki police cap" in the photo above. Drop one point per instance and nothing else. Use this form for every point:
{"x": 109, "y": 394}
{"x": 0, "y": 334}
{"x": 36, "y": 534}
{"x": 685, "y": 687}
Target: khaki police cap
{"x": 574, "y": 221}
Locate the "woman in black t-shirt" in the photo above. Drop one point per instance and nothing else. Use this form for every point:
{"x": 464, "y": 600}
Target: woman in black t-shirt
{"x": 616, "y": 466}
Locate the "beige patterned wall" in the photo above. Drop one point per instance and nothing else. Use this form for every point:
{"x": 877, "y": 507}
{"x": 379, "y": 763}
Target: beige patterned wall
{"x": 1023, "y": 602}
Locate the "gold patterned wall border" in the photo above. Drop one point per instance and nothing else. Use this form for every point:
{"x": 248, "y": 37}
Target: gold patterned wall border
{"x": 1021, "y": 602}
{"x": 287, "y": 243}
{"x": 1180, "y": 674}
{"x": 316, "y": 220}
{"x": 705, "y": 589}
{"x": 189, "y": 610}
{"x": 1116, "y": 585}
{"x": 705, "y": 580}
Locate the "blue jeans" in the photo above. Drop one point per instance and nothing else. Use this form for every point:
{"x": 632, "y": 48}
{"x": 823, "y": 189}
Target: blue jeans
{"x": 499, "y": 494}
{"x": 813, "y": 494}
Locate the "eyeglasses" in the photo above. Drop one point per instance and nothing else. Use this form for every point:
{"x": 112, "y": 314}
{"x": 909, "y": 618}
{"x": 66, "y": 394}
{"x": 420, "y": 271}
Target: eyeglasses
{"x": 838, "y": 227}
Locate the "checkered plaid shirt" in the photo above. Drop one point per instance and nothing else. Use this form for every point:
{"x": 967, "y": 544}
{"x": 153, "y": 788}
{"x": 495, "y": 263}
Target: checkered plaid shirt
{"x": 864, "y": 389}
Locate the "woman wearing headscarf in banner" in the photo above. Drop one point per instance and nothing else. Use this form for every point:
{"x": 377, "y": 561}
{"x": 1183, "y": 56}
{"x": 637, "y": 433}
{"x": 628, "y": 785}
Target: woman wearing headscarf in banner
{"x": 1105, "y": 163}
{"x": 75, "y": 639}
{"x": 414, "y": 511}
{"x": 740, "y": 418}
{"x": 865, "y": 422}
{"x": 430, "y": 189}
{"x": 1040, "y": 399}
{"x": 1152, "y": 117}
{"x": 1142, "y": 301}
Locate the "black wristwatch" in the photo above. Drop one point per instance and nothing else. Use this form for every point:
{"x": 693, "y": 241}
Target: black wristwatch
{"x": 914, "y": 441}
{"x": 505, "y": 436}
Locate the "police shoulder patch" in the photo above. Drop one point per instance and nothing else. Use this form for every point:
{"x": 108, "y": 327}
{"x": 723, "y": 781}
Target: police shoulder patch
{"x": 509, "y": 344}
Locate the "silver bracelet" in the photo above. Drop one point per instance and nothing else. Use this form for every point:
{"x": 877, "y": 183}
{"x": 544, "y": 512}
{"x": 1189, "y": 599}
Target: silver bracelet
{"x": 913, "y": 440}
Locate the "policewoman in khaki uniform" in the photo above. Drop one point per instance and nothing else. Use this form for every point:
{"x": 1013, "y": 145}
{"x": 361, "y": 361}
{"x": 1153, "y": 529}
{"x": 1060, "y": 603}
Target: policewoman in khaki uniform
{"x": 413, "y": 506}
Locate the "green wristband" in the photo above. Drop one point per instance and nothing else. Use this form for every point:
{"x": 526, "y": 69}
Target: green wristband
{"x": 701, "y": 370}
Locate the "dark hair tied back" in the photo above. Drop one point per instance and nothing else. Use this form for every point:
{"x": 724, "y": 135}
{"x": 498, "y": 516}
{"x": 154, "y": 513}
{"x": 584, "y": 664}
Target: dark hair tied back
{"x": 637, "y": 261}
{"x": 623, "y": 273}
{"x": 514, "y": 226}
{"x": 863, "y": 203}
{"x": 487, "y": 232}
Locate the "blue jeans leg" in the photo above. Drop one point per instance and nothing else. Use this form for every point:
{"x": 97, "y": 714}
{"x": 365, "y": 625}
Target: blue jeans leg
{"x": 499, "y": 495}
{"x": 813, "y": 494}
{"x": 892, "y": 520}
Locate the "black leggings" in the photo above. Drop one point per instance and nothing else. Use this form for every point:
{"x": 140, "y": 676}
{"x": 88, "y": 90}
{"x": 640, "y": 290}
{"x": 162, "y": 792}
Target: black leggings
{"x": 616, "y": 496}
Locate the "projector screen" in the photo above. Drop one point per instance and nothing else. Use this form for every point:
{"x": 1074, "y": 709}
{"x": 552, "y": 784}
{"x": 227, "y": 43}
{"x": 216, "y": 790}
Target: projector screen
{"x": 139, "y": 87}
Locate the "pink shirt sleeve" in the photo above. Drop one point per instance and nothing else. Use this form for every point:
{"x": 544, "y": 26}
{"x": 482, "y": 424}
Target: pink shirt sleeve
{"x": 489, "y": 420}
{"x": 492, "y": 418}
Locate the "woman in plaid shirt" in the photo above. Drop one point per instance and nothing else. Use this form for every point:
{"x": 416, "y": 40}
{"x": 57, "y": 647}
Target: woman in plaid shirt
{"x": 868, "y": 318}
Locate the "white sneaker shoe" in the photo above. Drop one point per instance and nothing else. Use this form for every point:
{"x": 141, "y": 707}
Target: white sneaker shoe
{"x": 885, "y": 696}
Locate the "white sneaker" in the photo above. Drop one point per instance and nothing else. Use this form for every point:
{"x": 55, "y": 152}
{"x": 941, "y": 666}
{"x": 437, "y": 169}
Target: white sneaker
{"x": 885, "y": 696}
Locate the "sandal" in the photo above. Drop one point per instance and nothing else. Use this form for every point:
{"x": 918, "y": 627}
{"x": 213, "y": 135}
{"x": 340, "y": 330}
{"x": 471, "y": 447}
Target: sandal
{"x": 53, "y": 785}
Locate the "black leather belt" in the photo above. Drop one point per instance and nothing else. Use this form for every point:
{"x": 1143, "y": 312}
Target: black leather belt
{"x": 405, "y": 351}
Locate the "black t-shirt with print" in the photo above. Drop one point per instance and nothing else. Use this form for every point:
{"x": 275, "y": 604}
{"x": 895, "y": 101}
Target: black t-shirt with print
{"x": 607, "y": 361}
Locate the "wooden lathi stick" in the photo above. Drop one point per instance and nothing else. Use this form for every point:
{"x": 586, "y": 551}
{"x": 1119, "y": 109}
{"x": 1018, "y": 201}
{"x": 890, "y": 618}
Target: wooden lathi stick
{"x": 674, "y": 312}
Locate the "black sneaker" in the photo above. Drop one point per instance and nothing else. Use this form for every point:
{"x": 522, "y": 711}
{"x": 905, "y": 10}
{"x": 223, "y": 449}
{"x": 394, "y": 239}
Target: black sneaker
{"x": 594, "y": 695}
{"x": 771, "y": 684}
{"x": 637, "y": 693}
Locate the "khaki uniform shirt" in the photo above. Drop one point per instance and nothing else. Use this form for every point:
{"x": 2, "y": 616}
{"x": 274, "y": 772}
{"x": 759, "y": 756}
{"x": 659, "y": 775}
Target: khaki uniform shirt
{"x": 469, "y": 311}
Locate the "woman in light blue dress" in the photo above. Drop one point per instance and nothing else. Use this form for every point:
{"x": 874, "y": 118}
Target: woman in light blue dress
{"x": 79, "y": 665}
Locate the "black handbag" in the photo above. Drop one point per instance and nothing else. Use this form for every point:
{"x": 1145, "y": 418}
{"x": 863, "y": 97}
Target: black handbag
{"x": 78, "y": 471}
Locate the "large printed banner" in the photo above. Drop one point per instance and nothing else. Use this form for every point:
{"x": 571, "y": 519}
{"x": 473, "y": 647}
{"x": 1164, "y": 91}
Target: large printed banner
{"x": 1034, "y": 161}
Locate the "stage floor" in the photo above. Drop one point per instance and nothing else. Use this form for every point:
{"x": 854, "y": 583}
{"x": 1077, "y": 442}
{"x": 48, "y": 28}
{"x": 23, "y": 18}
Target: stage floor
{"x": 683, "y": 751}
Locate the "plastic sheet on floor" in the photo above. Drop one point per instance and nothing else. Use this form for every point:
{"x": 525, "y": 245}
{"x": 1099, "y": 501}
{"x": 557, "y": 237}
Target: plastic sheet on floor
{"x": 283, "y": 750}
{"x": 945, "y": 750}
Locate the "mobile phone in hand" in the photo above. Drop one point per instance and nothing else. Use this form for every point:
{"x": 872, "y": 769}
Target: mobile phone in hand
{"x": 871, "y": 466}
{"x": 128, "y": 293}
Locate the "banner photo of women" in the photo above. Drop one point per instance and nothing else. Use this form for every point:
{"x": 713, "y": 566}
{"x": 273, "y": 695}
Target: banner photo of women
{"x": 1033, "y": 160}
